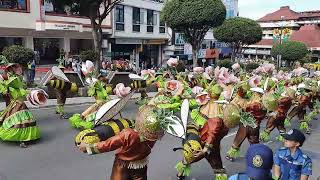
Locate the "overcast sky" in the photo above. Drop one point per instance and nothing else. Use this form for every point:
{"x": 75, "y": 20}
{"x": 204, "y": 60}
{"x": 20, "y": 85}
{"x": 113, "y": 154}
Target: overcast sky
{"x": 256, "y": 9}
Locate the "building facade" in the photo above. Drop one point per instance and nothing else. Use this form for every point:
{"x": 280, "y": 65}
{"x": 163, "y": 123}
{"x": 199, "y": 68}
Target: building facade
{"x": 138, "y": 33}
{"x": 284, "y": 25}
{"x": 48, "y": 28}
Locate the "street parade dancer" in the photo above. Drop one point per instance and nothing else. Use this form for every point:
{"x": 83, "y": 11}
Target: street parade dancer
{"x": 97, "y": 89}
{"x": 209, "y": 126}
{"x": 17, "y": 121}
{"x": 57, "y": 80}
{"x": 134, "y": 145}
{"x": 255, "y": 110}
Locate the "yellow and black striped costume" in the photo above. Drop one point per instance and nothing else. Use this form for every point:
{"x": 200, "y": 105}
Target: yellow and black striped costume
{"x": 192, "y": 143}
{"x": 62, "y": 85}
{"x": 137, "y": 84}
{"x": 103, "y": 131}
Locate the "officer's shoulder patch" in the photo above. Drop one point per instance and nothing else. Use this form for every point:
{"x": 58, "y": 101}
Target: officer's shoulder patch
{"x": 305, "y": 156}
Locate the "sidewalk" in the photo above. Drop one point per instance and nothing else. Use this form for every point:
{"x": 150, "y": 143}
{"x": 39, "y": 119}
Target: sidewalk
{"x": 73, "y": 101}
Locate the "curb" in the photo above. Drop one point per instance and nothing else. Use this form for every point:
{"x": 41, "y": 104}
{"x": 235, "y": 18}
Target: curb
{"x": 72, "y": 101}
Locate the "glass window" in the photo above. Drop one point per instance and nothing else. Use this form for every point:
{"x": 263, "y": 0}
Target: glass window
{"x": 150, "y": 20}
{"x": 13, "y": 4}
{"x": 119, "y": 13}
{"x": 135, "y": 15}
{"x": 162, "y": 27}
{"x": 136, "y": 19}
{"x": 150, "y": 17}
{"x": 120, "y": 17}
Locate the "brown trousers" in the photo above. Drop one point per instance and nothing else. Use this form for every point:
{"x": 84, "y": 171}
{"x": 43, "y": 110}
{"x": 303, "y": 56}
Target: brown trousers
{"x": 61, "y": 96}
{"x": 121, "y": 172}
{"x": 252, "y": 134}
{"x": 275, "y": 123}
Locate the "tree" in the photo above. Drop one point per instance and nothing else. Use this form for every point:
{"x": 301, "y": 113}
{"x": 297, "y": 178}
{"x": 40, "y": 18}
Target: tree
{"x": 96, "y": 11}
{"x": 290, "y": 51}
{"x": 20, "y": 55}
{"x": 193, "y": 18}
{"x": 239, "y": 32}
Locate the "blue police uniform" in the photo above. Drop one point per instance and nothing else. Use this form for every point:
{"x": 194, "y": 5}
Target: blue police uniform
{"x": 292, "y": 167}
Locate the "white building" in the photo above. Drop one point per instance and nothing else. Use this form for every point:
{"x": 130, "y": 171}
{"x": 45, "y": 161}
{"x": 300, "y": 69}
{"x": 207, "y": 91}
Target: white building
{"x": 47, "y": 28}
{"x": 303, "y": 27}
{"x": 138, "y": 33}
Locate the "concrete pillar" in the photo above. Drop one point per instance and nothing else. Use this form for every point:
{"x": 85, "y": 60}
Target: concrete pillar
{"x": 66, "y": 44}
{"x": 28, "y": 42}
{"x": 160, "y": 55}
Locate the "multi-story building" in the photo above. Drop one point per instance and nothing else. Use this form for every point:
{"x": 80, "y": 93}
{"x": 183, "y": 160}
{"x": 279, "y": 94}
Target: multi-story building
{"x": 47, "y": 28}
{"x": 210, "y": 48}
{"x": 302, "y": 26}
{"x": 138, "y": 33}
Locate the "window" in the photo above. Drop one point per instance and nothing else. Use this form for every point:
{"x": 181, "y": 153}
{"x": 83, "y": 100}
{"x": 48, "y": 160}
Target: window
{"x": 150, "y": 20}
{"x": 13, "y": 4}
{"x": 136, "y": 19}
{"x": 120, "y": 17}
{"x": 162, "y": 27}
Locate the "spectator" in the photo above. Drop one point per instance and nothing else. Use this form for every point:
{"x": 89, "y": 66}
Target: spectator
{"x": 31, "y": 72}
{"x": 290, "y": 162}
{"x": 259, "y": 164}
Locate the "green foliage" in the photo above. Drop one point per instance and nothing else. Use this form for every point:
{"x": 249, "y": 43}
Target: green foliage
{"x": 193, "y": 18}
{"x": 227, "y": 63}
{"x": 196, "y": 14}
{"x": 89, "y": 55}
{"x": 239, "y": 30}
{"x": 291, "y": 50}
{"x": 18, "y": 54}
{"x": 3, "y": 60}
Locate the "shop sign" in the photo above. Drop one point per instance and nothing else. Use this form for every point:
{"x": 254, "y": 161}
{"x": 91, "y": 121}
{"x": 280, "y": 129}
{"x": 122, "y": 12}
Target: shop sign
{"x": 128, "y": 41}
{"x": 212, "y": 53}
{"x": 59, "y": 26}
{"x": 202, "y": 53}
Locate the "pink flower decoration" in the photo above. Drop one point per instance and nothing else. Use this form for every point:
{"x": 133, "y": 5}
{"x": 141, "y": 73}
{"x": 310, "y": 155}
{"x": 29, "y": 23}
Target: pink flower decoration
{"x": 121, "y": 91}
{"x": 233, "y": 79}
{"x": 198, "y": 70}
{"x": 235, "y": 66}
{"x": 172, "y": 62}
{"x": 209, "y": 70}
{"x": 203, "y": 98}
{"x": 197, "y": 90}
{"x": 254, "y": 81}
{"x": 148, "y": 73}
{"x": 216, "y": 72}
{"x": 299, "y": 71}
{"x": 173, "y": 85}
{"x": 226, "y": 94}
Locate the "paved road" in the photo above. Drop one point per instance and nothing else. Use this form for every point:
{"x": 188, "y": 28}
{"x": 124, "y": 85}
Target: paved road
{"x": 54, "y": 157}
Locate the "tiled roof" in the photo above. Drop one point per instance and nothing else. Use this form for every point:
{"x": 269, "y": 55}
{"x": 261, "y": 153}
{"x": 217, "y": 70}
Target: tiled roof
{"x": 308, "y": 34}
{"x": 283, "y": 11}
{"x": 288, "y": 14}
{"x": 265, "y": 42}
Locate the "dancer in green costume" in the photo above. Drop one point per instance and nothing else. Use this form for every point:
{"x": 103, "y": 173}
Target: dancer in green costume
{"x": 17, "y": 122}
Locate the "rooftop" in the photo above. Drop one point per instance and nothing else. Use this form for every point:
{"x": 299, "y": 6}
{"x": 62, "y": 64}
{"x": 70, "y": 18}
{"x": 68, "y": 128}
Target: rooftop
{"x": 287, "y": 14}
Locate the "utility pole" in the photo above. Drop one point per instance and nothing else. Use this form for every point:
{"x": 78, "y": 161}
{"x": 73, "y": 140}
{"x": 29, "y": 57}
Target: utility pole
{"x": 281, "y": 33}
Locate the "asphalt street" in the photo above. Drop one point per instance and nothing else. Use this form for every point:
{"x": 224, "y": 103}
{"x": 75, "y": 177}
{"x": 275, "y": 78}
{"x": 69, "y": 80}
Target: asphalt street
{"x": 55, "y": 157}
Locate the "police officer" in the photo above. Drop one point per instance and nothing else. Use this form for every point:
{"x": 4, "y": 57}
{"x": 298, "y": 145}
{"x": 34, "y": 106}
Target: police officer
{"x": 290, "y": 162}
{"x": 259, "y": 164}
